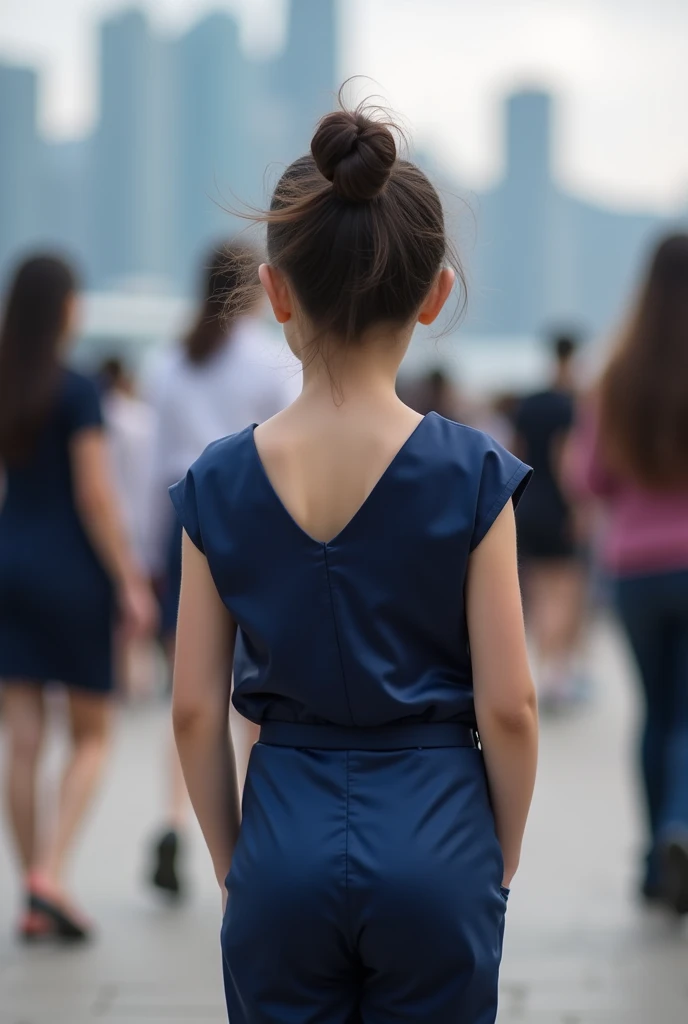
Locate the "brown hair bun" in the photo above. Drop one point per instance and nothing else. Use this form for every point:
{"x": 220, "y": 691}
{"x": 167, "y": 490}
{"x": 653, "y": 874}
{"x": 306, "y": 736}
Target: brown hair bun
{"x": 355, "y": 153}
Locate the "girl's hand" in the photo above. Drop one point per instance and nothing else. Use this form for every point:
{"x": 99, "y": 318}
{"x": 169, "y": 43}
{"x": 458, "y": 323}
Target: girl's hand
{"x": 510, "y": 870}
{"x": 138, "y": 607}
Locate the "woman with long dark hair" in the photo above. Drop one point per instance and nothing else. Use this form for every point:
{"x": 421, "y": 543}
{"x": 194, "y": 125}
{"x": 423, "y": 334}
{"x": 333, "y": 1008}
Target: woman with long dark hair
{"x": 220, "y": 378}
{"x": 632, "y": 452}
{"x": 355, "y": 563}
{"x": 65, "y": 567}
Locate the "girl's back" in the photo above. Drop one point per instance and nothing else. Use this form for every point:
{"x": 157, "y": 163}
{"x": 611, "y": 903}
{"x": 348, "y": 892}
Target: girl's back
{"x": 357, "y": 565}
{"x": 358, "y": 593}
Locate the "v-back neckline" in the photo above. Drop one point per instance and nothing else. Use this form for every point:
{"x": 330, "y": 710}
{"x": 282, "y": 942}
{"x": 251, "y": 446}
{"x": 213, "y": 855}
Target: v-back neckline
{"x": 379, "y": 483}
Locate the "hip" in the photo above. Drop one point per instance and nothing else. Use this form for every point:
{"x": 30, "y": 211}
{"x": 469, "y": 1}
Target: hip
{"x": 56, "y": 541}
{"x": 413, "y": 819}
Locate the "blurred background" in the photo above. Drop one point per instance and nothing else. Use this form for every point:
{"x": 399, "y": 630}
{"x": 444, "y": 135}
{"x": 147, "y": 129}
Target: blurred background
{"x": 554, "y": 129}
{"x": 556, "y": 132}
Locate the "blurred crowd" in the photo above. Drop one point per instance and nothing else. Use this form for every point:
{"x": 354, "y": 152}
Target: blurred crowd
{"x": 605, "y": 519}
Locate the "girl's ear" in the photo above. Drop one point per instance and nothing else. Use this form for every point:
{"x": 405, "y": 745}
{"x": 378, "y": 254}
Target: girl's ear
{"x": 437, "y": 296}
{"x": 275, "y": 285}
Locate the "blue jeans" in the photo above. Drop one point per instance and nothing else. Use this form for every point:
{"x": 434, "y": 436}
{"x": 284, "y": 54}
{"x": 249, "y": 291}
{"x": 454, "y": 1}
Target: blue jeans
{"x": 654, "y": 613}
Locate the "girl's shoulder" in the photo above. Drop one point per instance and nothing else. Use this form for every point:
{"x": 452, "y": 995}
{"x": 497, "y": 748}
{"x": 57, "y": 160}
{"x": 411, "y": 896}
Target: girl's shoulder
{"x": 478, "y": 470}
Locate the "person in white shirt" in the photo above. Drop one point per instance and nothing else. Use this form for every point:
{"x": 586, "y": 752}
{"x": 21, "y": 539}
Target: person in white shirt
{"x": 131, "y": 432}
{"x": 225, "y": 374}
{"x": 131, "y": 426}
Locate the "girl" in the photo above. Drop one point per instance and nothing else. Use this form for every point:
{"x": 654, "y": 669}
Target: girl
{"x": 218, "y": 380}
{"x": 64, "y": 565}
{"x": 632, "y": 452}
{"x": 343, "y": 555}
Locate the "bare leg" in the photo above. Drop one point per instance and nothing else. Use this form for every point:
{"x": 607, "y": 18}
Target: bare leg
{"x": 555, "y": 616}
{"x": 179, "y": 805}
{"x": 168, "y": 847}
{"x": 90, "y": 720}
{"x": 24, "y": 718}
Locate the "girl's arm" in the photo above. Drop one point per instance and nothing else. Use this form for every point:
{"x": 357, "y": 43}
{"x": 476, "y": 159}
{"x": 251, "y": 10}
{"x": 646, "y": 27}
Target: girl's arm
{"x": 505, "y": 701}
{"x": 200, "y": 707}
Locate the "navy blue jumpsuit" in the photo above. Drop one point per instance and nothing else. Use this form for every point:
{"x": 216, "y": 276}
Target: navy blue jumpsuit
{"x": 366, "y": 882}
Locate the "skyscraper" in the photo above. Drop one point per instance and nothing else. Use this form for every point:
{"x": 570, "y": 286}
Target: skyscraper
{"x": 132, "y": 153}
{"x": 307, "y": 76}
{"x": 19, "y": 163}
{"x": 529, "y": 139}
{"x": 213, "y": 152}
{"x": 518, "y": 225}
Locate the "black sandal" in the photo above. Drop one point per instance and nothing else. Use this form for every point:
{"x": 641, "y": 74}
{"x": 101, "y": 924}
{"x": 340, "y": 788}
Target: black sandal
{"x": 65, "y": 926}
{"x": 34, "y": 927}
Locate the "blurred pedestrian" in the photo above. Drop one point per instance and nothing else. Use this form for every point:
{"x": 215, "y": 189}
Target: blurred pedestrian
{"x": 437, "y": 392}
{"x": 222, "y": 377}
{"x": 499, "y": 416}
{"x": 356, "y": 561}
{"x": 131, "y": 433}
{"x": 548, "y": 534}
{"x": 131, "y": 424}
{"x": 632, "y": 451}
{"x": 65, "y": 566}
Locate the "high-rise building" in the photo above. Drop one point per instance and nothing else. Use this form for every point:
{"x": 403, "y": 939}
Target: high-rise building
{"x": 20, "y": 153}
{"x": 214, "y": 165}
{"x": 525, "y": 208}
{"x": 529, "y": 139}
{"x": 545, "y": 257}
{"x": 306, "y": 73}
{"x": 132, "y": 155}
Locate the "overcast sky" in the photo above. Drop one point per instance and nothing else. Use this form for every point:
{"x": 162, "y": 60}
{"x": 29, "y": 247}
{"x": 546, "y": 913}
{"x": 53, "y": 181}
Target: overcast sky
{"x": 618, "y": 67}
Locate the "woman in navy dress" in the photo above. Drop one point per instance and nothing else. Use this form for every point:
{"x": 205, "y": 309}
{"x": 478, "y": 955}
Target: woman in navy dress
{"x": 357, "y": 564}
{"x": 64, "y": 563}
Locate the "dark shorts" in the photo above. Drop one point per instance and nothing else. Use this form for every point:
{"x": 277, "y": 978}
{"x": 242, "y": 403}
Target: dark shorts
{"x": 546, "y": 541}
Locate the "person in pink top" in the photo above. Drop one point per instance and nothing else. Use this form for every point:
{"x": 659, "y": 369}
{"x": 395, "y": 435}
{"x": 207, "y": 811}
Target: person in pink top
{"x": 631, "y": 451}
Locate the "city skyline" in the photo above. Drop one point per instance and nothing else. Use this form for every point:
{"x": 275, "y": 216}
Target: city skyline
{"x": 188, "y": 124}
{"x": 444, "y": 67}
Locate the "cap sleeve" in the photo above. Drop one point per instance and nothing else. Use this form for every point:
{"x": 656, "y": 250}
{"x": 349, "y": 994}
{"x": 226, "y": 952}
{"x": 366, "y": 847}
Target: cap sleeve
{"x": 82, "y": 403}
{"x": 183, "y": 495}
{"x": 503, "y": 477}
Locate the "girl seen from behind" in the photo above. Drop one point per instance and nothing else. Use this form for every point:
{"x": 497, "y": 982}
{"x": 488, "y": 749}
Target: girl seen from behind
{"x": 65, "y": 568}
{"x": 632, "y": 452}
{"x": 342, "y": 555}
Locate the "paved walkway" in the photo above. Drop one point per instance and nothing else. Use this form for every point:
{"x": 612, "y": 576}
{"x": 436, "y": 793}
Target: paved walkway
{"x": 578, "y": 950}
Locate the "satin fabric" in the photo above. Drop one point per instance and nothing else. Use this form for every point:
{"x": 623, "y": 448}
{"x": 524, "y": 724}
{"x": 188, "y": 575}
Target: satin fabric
{"x": 365, "y": 886}
{"x": 371, "y": 627}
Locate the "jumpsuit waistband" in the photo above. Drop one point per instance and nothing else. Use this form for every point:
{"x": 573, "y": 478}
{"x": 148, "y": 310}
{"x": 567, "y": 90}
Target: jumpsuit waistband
{"x": 383, "y": 737}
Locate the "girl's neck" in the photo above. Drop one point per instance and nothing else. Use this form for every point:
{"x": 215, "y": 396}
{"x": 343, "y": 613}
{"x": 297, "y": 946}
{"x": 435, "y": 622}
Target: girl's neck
{"x": 362, "y": 375}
